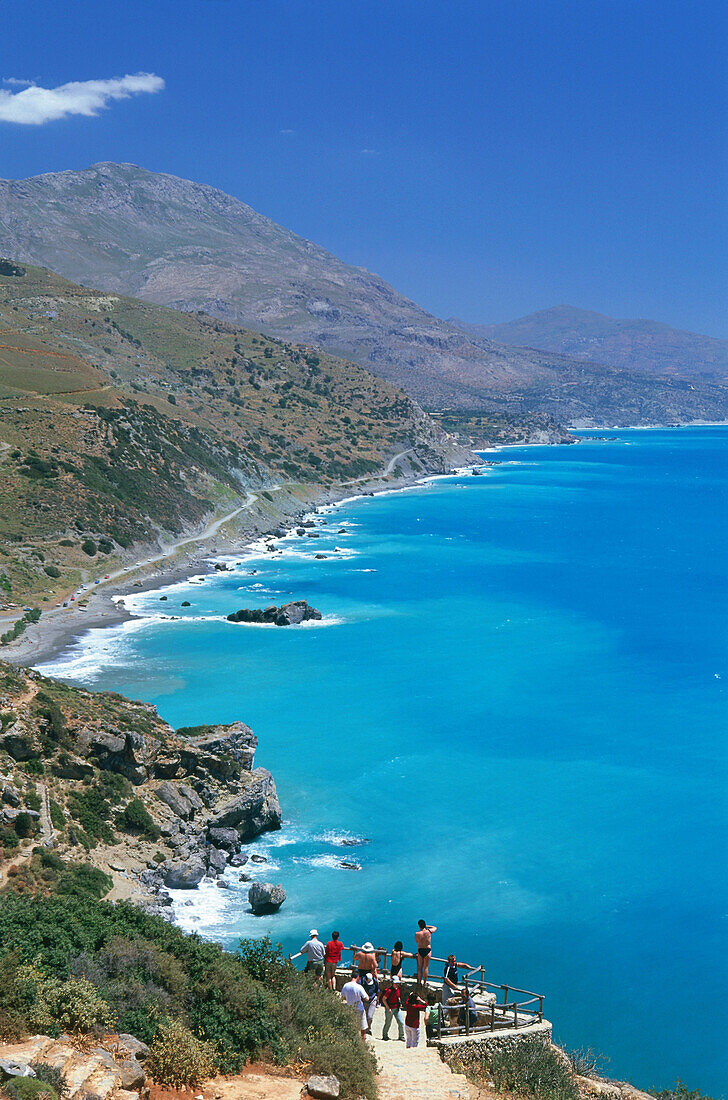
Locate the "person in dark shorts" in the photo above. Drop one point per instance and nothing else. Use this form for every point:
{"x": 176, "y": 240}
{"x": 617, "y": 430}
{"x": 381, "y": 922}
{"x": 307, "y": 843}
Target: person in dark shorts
{"x": 314, "y": 951}
{"x": 423, "y": 939}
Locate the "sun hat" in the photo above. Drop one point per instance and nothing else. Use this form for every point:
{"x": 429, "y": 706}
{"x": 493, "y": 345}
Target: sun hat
{"x": 313, "y": 932}
{"x": 367, "y": 946}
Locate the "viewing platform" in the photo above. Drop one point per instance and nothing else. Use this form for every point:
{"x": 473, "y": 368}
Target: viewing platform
{"x": 501, "y": 1010}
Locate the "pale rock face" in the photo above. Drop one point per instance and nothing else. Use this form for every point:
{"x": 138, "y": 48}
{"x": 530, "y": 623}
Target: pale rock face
{"x": 266, "y": 897}
{"x": 323, "y": 1088}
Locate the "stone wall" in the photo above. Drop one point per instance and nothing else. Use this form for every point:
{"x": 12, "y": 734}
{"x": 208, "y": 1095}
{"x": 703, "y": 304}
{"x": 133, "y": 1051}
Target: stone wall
{"x": 464, "y": 1054}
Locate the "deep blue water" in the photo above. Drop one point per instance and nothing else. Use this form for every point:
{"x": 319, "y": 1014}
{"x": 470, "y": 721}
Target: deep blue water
{"x": 520, "y": 699}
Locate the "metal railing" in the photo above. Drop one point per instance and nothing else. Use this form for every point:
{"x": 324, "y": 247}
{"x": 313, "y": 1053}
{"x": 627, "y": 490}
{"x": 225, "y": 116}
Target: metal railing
{"x": 504, "y": 1008}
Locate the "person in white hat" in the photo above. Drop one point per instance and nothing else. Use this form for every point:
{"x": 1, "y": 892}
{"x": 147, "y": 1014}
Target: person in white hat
{"x": 366, "y": 960}
{"x": 314, "y": 951}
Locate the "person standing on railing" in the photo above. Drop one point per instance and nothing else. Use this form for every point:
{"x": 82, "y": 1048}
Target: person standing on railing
{"x": 332, "y": 958}
{"x": 423, "y": 939}
{"x": 392, "y": 1000}
{"x": 415, "y": 1005}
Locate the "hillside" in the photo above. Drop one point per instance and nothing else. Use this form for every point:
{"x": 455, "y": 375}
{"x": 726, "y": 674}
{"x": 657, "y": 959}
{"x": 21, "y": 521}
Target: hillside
{"x": 188, "y": 246}
{"x": 102, "y": 778}
{"x": 123, "y": 424}
{"x": 647, "y": 346}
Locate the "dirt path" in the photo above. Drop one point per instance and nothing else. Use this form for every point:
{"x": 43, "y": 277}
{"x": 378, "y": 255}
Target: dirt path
{"x": 46, "y": 825}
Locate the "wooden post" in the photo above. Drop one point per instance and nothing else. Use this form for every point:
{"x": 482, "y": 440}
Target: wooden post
{"x": 439, "y": 1021}
{"x": 492, "y": 1015}
{"x": 482, "y": 977}
{"x": 515, "y": 1013}
{"x": 505, "y": 994}
{"x": 540, "y": 1010}
{"x": 467, "y": 1008}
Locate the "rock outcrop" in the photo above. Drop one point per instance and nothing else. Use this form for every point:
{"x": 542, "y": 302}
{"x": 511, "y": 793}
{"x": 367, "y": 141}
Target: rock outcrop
{"x": 197, "y": 796}
{"x": 266, "y": 897}
{"x": 255, "y": 810}
{"x": 289, "y": 614}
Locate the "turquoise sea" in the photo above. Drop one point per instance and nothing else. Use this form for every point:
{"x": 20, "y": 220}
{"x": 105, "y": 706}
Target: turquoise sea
{"x": 518, "y": 694}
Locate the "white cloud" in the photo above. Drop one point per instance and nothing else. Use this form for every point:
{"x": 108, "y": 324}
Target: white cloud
{"x": 369, "y": 152}
{"x": 35, "y": 105}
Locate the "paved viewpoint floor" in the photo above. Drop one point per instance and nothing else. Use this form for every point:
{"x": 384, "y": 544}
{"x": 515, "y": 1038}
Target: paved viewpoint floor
{"x": 418, "y": 1074}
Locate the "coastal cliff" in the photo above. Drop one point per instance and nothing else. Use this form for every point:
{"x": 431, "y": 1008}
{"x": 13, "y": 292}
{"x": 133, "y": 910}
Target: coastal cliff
{"x": 97, "y": 776}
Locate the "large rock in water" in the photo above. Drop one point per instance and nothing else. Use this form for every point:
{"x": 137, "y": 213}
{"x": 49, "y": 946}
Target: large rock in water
{"x": 254, "y": 811}
{"x": 266, "y": 897}
{"x": 289, "y": 614}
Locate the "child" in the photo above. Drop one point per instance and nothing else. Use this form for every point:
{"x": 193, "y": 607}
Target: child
{"x": 415, "y": 1005}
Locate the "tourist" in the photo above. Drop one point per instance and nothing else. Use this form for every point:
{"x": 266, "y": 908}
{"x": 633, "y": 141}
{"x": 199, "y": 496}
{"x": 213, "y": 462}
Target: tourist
{"x": 434, "y": 1016}
{"x": 415, "y": 1005}
{"x": 332, "y": 958}
{"x": 467, "y": 1004}
{"x": 450, "y": 980}
{"x": 314, "y": 951}
{"x": 366, "y": 960}
{"x": 423, "y": 939}
{"x": 357, "y": 999}
{"x": 391, "y": 998}
{"x": 398, "y": 953}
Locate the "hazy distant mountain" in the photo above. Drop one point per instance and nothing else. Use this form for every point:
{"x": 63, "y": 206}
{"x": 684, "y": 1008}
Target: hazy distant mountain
{"x": 121, "y": 228}
{"x": 636, "y": 344}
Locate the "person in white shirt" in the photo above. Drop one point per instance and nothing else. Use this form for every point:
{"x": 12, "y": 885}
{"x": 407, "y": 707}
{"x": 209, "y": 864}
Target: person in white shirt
{"x": 314, "y": 951}
{"x": 357, "y": 999}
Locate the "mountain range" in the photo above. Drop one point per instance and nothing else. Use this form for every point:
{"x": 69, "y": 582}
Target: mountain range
{"x": 647, "y": 346}
{"x": 120, "y": 228}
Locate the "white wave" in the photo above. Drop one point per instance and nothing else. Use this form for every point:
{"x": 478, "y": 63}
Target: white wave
{"x": 328, "y": 860}
{"x": 310, "y": 624}
{"x": 340, "y": 839}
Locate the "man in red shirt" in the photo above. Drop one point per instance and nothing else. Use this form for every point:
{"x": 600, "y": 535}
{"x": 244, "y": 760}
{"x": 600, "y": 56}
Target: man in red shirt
{"x": 332, "y": 958}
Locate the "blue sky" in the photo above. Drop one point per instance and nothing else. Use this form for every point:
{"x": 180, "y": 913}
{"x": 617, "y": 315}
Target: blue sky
{"x": 488, "y": 159}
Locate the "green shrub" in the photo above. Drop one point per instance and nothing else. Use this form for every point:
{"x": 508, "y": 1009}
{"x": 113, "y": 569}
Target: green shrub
{"x": 52, "y": 1076}
{"x": 680, "y": 1091}
{"x": 136, "y": 819}
{"x": 28, "y": 1088}
{"x": 33, "y": 767}
{"x": 180, "y": 1059}
{"x": 533, "y": 1069}
{"x": 52, "y": 571}
{"x": 23, "y": 824}
{"x": 148, "y": 972}
{"x": 53, "y": 1005}
{"x": 58, "y": 818}
{"x": 84, "y": 880}
{"x": 89, "y": 547}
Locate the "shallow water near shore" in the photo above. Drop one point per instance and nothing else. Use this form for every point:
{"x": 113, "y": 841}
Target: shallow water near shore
{"x": 518, "y": 697}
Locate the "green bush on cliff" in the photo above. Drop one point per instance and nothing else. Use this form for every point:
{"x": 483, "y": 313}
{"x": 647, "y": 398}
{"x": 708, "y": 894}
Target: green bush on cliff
{"x": 136, "y": 819}
{"x": 149, "y": 975}
{"x": 532, "y": 1070}
{"x": 179, "y": 1058}
{"x": 28, "y": 1088}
